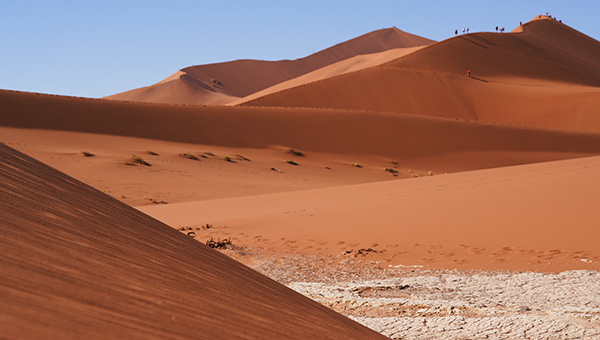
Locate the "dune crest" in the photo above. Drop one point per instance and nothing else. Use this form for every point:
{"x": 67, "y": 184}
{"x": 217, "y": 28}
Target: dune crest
{"x": 546, "y": 77}
{"x": 224, "y": 82}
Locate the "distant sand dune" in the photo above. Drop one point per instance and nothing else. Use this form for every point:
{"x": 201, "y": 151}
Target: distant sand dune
{"x": 222, "y": 82}
{"x": 545, "y": 77}
{"x": 348, "y": 132}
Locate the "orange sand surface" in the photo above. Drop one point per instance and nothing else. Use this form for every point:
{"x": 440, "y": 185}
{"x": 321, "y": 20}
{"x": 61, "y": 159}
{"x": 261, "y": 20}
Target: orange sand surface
{"x": 539, "y": 217}
{"x": 77, "y": 263}
{"x": 257, "y": 140}
{"x": 465, "y": 220}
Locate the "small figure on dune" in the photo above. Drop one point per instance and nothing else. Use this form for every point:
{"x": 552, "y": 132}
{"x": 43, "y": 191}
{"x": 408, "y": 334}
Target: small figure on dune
{"x": 467, "y": 30}
{"x": 455, "y": 32}
{"x": 468, "y": 72}
{"x": 463, "y": 30}
{"x": 496, "y": 28}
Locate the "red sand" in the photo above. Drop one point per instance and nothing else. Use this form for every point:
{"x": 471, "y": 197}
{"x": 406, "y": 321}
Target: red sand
{"x": 539, "y": 217}
{"x": 79, "y": 264}
{"x": 329, "y": 138}
{"x": 223, "y": 82}
{"x": 544, "y": 77}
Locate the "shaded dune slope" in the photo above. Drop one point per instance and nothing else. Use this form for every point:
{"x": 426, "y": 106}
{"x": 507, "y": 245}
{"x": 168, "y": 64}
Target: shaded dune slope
{"x": 353, "y": 132}
{"x": 544, "y": 77}
{"x": 206, "y": 84}
{"x": 79, "y": 264}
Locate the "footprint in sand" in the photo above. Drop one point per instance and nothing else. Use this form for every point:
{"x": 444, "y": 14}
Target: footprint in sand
{"x": 476, "y": 251}
{"x": 460, "y": 261}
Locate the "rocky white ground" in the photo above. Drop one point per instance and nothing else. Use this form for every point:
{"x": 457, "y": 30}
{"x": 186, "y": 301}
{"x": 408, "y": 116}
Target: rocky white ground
{"x": 455, "y": 305}
{"x": 422, "y": 303}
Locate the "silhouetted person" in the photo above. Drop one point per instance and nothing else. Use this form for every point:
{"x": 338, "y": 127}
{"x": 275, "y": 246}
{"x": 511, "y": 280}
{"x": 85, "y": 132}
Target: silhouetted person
{"x": 496, "y": 28}
{"x": 467, "y": 30}
{"x": 455, "y": 32}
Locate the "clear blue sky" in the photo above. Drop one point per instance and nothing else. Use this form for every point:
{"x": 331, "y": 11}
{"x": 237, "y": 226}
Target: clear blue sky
{"x": 97, "y": 48}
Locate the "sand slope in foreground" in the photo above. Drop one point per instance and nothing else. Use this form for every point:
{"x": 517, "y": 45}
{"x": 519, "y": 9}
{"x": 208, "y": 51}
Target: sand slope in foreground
{"x": 540, "y": 217}
{"x": 78, "y": 264}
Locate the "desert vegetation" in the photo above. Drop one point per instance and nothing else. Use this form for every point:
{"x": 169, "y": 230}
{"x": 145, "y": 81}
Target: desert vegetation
{"x": 392, "y": 171}
{"x": 139, "y": 160}
{"x": 219, "y": 244}
{"x": 296, "y": 152}
{"x": 189, "y": 156}
{"x": 242, "y": 158}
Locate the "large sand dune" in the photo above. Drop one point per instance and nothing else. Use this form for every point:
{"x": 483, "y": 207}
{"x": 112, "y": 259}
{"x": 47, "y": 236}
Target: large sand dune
{"x": 544, "y": 50}
{"x": 79, "y": 264}
{"x": 342, "y": 67}
{"x": 58, "y": 129}
{"x": 545, "y": 76}
{"x": 397, "y": 136}
{"x": 223, "y": 82}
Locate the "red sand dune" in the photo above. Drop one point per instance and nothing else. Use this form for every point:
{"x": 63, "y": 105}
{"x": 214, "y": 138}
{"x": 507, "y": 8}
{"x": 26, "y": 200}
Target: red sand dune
{"x": 545, "y": 50}
{"x": 78, "y": 264}
{"x": 540, "y": 217}
{"x": 450, "y": 144}
{"x": 544, "y": 77}
{"x": 179, "y": 88}
{"x": 341, "y": 67}
{"x": 215, "y": 83}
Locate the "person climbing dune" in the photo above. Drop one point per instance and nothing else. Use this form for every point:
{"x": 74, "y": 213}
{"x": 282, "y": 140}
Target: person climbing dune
{"x": 468, "y": 72}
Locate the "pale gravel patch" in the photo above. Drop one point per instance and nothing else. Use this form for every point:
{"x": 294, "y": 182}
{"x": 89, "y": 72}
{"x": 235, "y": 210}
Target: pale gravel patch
{"x": 470, "y": 306}
{"x": 405, "y": 302}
